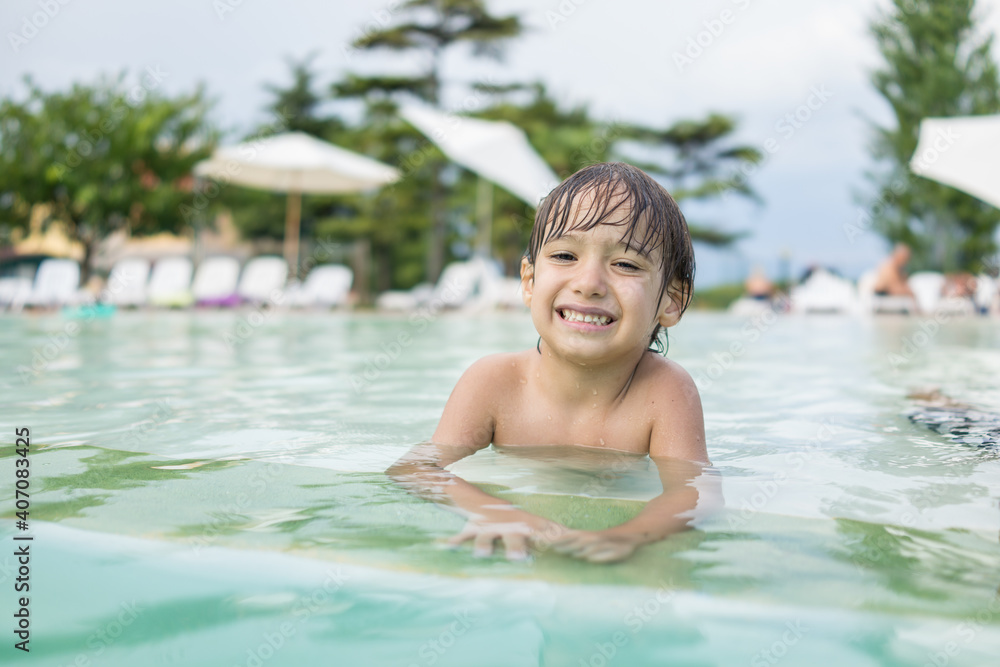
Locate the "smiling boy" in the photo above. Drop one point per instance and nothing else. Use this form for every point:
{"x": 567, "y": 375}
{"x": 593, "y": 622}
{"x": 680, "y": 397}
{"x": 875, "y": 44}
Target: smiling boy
{"x": 609, "y": 264}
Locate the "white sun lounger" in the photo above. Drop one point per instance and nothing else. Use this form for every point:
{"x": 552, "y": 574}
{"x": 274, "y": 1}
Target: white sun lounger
{"x": 747, "y": 306}
{"x": 458, "y": 284}
{"x": 506, "y": 293}
{"x": 411, "y": 299}
{"x": 126, "y": 285}
{"x": 170, "y": 284}
{"x": 824, "y": 292}
{"x": 926, "y": 287}
{"x": 987, "y": 295}
{"x": 262, "y": 278}
{"x": 475, "y": 284}
{"x": 57, "y": 283}
{"x": 14, "y": 292}
{"x": 325, "y": 286}
{"x": 215, "y": 281}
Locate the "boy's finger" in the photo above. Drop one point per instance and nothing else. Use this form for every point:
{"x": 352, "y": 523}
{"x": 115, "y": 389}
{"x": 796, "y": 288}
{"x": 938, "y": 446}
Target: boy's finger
{"x": 552, "y": 533}
{"x": 482, "y": 546}
{"x": 565, "y": 537}
{"x": 570, "y": 544}
{"x": 517, "y": 547}
{"x": 606, "y": 557}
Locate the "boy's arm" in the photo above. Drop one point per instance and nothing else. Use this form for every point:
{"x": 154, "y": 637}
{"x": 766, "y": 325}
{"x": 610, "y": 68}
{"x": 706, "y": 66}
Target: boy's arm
{"x": 689, "y": 489}
{"x": 678, "y": 425}
{"x": 466, "y": 426}
{"x": 677, "y": 447}
{"x": 686, "y": 486}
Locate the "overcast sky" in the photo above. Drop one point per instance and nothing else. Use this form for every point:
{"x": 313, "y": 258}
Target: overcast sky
{"x": 635, "y": 60}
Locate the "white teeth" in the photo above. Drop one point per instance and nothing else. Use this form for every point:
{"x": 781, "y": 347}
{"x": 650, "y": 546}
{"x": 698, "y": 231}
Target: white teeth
{"x": 573, "y": 316}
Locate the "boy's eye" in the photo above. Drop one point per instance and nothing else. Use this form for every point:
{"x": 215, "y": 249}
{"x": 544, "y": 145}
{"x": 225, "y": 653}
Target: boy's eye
{"x": 628, "y": 266}
{"x": 562, "y": 255}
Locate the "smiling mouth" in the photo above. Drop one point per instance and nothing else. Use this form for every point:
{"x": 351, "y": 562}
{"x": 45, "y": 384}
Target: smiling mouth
{"x": 574, "y": 316}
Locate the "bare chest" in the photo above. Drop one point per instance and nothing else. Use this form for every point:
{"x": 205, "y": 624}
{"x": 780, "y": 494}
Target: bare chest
{"x": 530, "y": 420}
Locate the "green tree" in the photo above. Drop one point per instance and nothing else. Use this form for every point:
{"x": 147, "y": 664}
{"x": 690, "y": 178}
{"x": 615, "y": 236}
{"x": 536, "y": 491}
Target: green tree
{"x": 298, "y": 107}
{"x": 394, "y": 218}
{"x": 937, "y": 63}
{"x": 431, "y": 28}
{"x": 102, "y": 157}
{"x": 701, "y": 164}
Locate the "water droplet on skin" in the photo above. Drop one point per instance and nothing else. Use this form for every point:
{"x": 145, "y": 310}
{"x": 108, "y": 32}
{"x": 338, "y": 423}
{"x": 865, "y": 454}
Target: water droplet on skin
{"x": 577, "y": 385}
{"x": 595, "y": 392}
{"x": 550, "y": 417}
{"x": 602, "y": 441}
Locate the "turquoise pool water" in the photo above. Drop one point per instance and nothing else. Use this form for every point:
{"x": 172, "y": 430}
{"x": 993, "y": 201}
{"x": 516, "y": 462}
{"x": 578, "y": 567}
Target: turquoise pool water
{"x": 206, "y": 489}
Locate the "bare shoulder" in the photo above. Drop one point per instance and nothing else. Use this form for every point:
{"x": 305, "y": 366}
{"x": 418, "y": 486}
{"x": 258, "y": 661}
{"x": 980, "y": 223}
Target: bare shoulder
{"x": 496, "y": 373}
{"x": 469, "y": 417}
{"x": 667, "y": 379}
{"x": 675, "y": 410}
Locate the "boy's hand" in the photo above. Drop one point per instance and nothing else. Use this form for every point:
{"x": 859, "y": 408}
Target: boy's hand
{"x": 596, "y": 546}
{"x": 515, "y": 528}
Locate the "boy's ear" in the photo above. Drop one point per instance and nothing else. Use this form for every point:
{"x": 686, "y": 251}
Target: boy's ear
{"x": 670, "y": 309}
{"x": 527, "y": 280}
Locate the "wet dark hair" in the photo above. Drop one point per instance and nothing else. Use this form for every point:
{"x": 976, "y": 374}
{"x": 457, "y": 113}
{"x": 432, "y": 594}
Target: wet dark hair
{"x": 624, "y": 196}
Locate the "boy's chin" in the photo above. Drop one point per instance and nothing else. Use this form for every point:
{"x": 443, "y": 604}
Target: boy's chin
{"x": 586, "y": 353}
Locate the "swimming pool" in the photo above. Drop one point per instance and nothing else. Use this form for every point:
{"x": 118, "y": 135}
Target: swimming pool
{"x": 206, "y": 489}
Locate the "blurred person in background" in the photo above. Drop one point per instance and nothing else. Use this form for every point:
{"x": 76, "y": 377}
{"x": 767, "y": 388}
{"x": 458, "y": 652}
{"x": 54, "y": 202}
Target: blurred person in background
{"x": 891, "y": 277}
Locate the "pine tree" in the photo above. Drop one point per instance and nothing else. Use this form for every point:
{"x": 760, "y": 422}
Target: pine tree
{"x": 703, "y": 164}
{"x": 297, "y": 106}
{"x": 427, "y": 29}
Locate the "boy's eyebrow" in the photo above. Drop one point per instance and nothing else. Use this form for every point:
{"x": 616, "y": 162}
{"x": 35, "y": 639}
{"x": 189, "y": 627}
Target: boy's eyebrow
{"x": 577, "y": 236}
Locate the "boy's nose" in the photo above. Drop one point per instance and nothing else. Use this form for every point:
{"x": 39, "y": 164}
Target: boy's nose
{"x": 590, "y": 280}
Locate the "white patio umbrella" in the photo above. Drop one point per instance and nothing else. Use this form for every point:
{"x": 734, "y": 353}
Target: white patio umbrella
{"x": 295, "y": 163}
{"x": 963, "y": 152}
{"x": 495, "y": 150}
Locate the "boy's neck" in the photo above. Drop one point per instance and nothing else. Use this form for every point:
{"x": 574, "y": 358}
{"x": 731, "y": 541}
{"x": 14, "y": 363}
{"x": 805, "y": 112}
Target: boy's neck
{"x": 605, "y": 384}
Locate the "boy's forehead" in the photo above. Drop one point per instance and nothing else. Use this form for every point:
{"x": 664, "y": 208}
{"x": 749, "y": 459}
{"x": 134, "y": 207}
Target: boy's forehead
{"x": 580, "y": 232}
{"x": 613, "y": 207}
{"x": 590, "y": 211}
{"x": 605, "y": 208}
